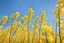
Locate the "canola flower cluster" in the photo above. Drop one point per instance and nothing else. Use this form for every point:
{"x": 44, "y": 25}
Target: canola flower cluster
{"x": 19, "y": 31}
{"x": 59, "y": 20}
{"x": 37, "y": 30}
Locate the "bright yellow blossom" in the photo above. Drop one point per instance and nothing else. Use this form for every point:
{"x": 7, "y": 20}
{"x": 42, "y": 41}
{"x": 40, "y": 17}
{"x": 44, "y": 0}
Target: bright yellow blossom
{"x": 26, "y": 17}
{"x": 50, "y": 39}
{"x": 19, "y": 23}
{"x": 43, "y": 12}
{"x": 17, "y": 14}
{"x": 4, "y": 18}
{"x": 37, "y": 18}
{"x": 62, "y": 9}
{"x": 43, "y": 27}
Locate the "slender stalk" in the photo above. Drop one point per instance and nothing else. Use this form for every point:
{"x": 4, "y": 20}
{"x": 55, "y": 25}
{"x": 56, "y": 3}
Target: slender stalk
{"x": 59, "y": 23}
{"x": 15, "y": 32}
{"x": 40, "y": 29}
{"x": 56, "y": 33}
{"x": 46, "y": 36}
{"x": 3, "y": 32}
{"x": 39, "y": 35}
{"x": 28, "y": 31}
{"x": 10, "y": 31}
{"x": 34, "y": 34}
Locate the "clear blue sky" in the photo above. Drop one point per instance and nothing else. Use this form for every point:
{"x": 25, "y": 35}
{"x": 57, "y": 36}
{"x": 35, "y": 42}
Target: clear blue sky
{"x": 7, "y": 7}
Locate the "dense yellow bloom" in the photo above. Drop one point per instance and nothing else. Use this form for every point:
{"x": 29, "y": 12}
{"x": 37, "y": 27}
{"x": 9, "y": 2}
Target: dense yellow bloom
{"x": 57, "y": 16}
{"x": 19, "y": 23}
{"x": 13, "y": 27}
{"x": 37, "y": 18}
{"x": 24, "y": 28}
{"x": 50, "y": 39}
{"x": 26, "y": 17}
{"x": 62, "y": 9}
{"x": 18, "y": 31}
{"x": 43, "y": 12}
{"x": 4, "y": 18}
{"x": 56, "y": 6}
{"x": 30, "y": 13}
{"x": 60, "y": 1}
{"x": 43, "y": 22}
{"x": 43, "y": 27}
{"x": 30, "y": 10}
{"x": 61, "y": 5}
{"x": 61, "y": 22}
{"x": 16, "y": 15}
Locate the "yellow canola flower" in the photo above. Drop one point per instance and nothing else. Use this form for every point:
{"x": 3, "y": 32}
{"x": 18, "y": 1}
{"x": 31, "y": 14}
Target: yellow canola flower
{"x": 61, "y": 5}
{"x": 19, "y": 23}
{"x": 56, "y": 6}
{"x": 24, "y": 28}
{"x": 62, "y": 28}
{"x": 30, "y": 10}
{"x": 60, "y": 1}
{"x": 43, "y": 12}
{"x": 56, "y": 11}
{"x": 26, "y": 17}
{"x": 50, "y": 39}
{"x": 30, "y": 13}
{"x": 17, "y": 14}
{"x": 13, "y": 15}
{"x": 44, "y": 22}
{"x": 62, "y": 9}
{"x": 61, "y": 22}
{"x": 30, "y": 16}
{"x": 57, "y": 16}
{"x": 13, "y": 27}
{"x": 37, "y": 18}
{"x": 62, "y": 15}
{"x": 4, "y": 18}
{"x": 49, "y": 28}
{"x": 43, "y": 27}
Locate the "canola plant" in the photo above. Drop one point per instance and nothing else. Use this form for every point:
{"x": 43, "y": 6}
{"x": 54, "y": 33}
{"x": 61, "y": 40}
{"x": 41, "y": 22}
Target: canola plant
{"x": 37, "y": 30}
